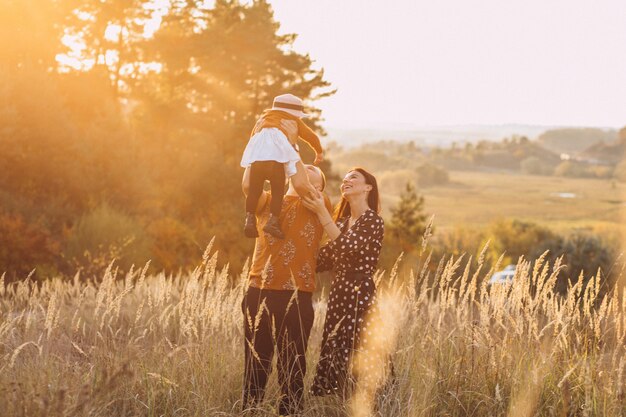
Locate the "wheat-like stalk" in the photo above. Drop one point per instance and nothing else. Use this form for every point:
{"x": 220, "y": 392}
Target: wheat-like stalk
{"x": 142, "y": 344}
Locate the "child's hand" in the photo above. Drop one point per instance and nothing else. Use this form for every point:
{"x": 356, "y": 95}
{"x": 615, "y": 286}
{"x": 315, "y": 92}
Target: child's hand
{"x": 318, "y": 159}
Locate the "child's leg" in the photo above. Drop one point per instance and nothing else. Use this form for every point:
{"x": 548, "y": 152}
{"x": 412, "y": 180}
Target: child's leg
{"x": 277, "y": 183}
{"x": 259, "y": 171}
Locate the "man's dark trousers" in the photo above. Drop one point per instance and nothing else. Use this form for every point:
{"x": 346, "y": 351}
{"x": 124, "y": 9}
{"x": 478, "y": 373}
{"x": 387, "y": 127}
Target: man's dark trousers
{"x": 282, "y": 320}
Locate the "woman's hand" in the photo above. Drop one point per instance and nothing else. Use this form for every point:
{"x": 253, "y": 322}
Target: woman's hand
{"x": 318, "y": 206}
{"x": 315, "y": 203}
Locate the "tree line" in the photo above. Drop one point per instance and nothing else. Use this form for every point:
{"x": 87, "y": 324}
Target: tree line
{"x": 122, "y": 126}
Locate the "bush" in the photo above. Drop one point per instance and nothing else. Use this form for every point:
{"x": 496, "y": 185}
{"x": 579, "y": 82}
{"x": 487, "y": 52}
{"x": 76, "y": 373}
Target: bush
{"x": 582, "y": 252}
{"x": 585, "y": 253}
{"x": 393, "y": 182}
{"x": 103, "y": 235}
{"x": 517, "y": 238}
{"x": 571, "y": 169}
{"x": 429, "y": 175}
{"x": 25, "y": 246}
{"x": 535, "y": 166}
{"x": 457, "y": 241}
{"x": 600, "y": 171}
{"x": 173, "y": 244}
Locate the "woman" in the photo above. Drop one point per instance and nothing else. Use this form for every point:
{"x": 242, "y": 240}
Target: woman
{"x": 356, "y": 235}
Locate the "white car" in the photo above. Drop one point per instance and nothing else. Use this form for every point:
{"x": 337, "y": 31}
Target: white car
{"x": 503, "y": 277}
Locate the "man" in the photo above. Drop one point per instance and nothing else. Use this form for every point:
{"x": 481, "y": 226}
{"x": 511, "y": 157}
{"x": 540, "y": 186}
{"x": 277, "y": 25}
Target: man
{"x": 277, "y": 307}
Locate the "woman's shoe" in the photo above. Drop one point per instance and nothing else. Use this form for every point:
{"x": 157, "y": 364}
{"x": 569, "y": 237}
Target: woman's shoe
{"x": 273, "y": 227}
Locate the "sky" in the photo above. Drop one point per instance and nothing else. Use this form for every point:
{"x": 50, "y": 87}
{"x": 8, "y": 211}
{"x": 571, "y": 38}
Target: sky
{"x": 412, "y": 63}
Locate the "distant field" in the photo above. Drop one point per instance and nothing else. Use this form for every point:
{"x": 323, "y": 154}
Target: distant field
{"x": 478, "y": 198}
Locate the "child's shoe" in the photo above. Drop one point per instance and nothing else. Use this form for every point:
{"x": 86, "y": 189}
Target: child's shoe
{"x": 273, "y": 227}
{"x": 250, "y": 228}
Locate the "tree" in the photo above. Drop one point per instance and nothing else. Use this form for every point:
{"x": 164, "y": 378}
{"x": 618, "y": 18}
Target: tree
{"x": 221, "y": 66}
{"x": 109, "y": 32}
{"x": 30, "y": 34}
{"x": 534, "y": 165}
{"x": 408, "y": 221}
{"x": 153, "y": 128}
{"x": 585, "y": 253}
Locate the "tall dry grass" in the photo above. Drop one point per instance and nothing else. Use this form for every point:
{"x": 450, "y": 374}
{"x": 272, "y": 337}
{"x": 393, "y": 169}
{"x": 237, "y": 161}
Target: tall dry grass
{"x": 173, "y": 346}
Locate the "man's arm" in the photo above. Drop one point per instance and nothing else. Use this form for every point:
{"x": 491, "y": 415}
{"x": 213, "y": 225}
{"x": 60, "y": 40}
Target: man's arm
{"x": 301, "y": 183}
{"x": 245, "y": 187}
{"x": 300, "y": 180}
{"x": 310, "y": 137}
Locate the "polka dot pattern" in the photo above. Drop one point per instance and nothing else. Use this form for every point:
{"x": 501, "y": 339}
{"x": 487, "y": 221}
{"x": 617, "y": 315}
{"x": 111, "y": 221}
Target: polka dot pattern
{"x": 354, "y": 257}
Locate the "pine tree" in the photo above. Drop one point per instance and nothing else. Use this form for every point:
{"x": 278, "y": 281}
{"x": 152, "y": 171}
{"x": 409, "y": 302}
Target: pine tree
{"x": 408, "y": 221}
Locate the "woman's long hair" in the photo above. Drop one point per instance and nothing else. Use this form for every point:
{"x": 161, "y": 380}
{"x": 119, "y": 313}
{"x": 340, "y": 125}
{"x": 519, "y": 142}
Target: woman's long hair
{"x": 373, "y": 201}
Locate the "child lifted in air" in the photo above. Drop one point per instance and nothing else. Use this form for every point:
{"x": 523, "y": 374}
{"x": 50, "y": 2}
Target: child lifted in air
{"x": 272, "y": 156}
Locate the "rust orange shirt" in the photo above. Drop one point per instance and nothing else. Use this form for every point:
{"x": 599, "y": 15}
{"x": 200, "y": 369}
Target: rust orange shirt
{"x": 287, "y": 264}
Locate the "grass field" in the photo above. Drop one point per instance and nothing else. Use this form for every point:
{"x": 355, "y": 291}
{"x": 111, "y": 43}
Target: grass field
{"x": 478, "y": 198}
{"x": 173, "y": 346}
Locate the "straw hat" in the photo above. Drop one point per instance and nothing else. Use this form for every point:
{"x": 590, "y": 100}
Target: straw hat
{"x": 289, "y": 104}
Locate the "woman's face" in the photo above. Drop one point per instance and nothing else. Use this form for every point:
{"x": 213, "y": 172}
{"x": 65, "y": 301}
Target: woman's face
{"x": 354, "y": 184}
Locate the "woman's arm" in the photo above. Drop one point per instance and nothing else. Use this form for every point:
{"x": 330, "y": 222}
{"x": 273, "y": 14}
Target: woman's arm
{"x": 300, "y": 180}
{"x": 318, "y": 206}
{"x": 309, "y": 136}
{"x": 368, "y": 230}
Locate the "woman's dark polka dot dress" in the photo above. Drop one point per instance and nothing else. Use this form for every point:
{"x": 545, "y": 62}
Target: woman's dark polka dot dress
{"x": 354, "y": 257}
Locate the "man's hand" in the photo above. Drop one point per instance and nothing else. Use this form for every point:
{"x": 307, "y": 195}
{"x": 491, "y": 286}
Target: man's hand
{"x": 291, "y": 128}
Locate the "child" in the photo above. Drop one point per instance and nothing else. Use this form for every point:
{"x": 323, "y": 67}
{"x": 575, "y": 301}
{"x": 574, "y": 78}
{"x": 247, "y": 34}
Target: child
{"x": 272, "y": 156}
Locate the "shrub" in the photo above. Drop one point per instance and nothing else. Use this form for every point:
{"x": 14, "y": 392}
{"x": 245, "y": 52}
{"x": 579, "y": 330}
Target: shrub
{"x": 393, "y": 182}
{"x": 535, "y": 166}
{"x": 581, "y": 252}
{"x": 173, "y": 244}
{"x": 457, "y": 241}
{"x": 571, "y": 169}
{"x": 105, "y": 234}
{"x": 429, "y": 175}
{"x": 600, "y": 171}
{"x": 518, "y": 238}
{"x": 25, "y": 246}
{"x": 584, "y": 253}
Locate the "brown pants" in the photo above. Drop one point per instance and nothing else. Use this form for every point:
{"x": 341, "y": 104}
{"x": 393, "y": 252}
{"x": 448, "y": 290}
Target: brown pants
{"x": 282, "y": 325}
